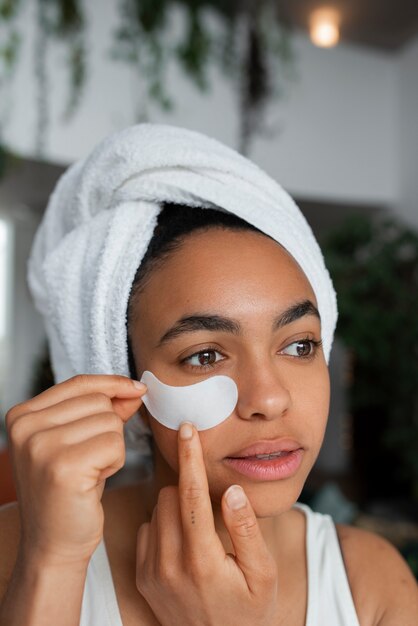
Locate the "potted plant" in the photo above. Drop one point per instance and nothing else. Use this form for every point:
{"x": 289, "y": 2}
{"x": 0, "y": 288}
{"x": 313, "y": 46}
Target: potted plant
{"x": 374, "y": 266}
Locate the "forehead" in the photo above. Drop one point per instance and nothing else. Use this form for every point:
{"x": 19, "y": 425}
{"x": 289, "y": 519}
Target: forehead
{"x": 231, "y": 272}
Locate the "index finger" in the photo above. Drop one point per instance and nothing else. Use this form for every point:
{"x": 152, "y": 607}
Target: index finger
{"x": 195, "y": 505}
{"x": 118, "y": 388}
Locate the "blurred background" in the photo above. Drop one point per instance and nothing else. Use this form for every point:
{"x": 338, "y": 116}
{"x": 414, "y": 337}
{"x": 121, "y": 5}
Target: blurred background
{"x": 324, "y": 97}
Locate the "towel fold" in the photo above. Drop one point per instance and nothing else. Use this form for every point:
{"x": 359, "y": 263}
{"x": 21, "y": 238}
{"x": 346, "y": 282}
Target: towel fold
{"x": 101, "y": 217}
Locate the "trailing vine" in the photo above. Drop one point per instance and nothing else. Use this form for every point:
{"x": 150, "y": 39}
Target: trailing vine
{"x": 9, "y": 50}
{"x": 63, "y": 21}
{"x": 253, "y": 49}
{"x": 251, "y": 45}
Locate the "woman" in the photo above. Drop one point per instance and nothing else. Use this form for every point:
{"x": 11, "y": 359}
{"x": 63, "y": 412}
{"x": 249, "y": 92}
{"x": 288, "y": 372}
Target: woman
{"x": 214, "y": 536}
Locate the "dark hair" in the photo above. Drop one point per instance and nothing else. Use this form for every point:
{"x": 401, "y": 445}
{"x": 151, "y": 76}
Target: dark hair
{"x": 174, "y": 223}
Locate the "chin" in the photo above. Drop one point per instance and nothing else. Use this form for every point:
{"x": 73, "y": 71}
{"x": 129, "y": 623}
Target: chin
{"x": 274, "y": 500}
{"x": 268, "y": 499}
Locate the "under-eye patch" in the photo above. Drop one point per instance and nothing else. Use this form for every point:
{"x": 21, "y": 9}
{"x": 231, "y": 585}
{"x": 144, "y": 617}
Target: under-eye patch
{"x": 206, "y": 404}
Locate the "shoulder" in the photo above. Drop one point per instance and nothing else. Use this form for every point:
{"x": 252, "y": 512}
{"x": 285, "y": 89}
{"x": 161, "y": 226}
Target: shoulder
{"x": 9, "y": 542}
{"x": 384, "y": 589}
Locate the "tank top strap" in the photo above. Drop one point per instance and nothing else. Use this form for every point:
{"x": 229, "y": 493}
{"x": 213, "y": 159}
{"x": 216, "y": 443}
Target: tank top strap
{"x": 100, "y": 605}
{"x": 330, "y": 602}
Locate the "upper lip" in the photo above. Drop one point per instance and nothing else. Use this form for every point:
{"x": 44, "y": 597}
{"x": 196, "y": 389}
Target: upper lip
{"x": 268, "y": 446}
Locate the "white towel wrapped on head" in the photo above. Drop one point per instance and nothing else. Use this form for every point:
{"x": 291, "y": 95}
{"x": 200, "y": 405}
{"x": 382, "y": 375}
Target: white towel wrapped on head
{"x": 102, "y": 215}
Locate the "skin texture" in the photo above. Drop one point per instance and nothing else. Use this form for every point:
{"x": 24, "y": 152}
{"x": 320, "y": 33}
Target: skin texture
{"x": 279, "y": 395}
{"x": 174, "y": 536}
{"x": 64, "y": 443}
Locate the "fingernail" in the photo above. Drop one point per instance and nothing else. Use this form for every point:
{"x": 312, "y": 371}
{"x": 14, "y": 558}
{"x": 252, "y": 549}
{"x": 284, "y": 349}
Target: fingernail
{"x": 139, "y": 385}
{"x": 186, "y": 430}
{"x": 235, "y": 498}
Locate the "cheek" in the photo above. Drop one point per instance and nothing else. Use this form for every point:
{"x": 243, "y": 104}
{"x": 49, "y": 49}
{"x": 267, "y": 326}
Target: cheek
{"x": 310, "y": 405}
{"x": 313, "y": 402}
{"x": 166, "y": 441}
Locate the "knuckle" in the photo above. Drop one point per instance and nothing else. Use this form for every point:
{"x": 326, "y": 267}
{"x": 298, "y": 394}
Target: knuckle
{"x": 36, "y": 446}
{"x": 13, "y": 413}
{"x": 246, "y": 526}
{"x": 100, "y": 400}
{"x": 10, "y": 417}
{"x": 192, "y": 493}
{"x": 112, "y": 421}
{"x": 120, "y": 461}
{"x": 167, "y": 573}
{"x": 17, "y": 431}
{"x": 121, "y": 380}
{"x": 80, "y": 380}
{"x": 167, "y": 493}
{"x": 115, "y": 440}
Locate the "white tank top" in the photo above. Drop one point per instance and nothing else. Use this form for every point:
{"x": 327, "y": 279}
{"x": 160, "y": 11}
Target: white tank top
{"x": 330, "y": 602}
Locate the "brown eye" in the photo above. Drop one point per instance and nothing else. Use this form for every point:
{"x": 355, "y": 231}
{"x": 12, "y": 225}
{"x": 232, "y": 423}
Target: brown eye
{"x": 207, "y": 358}
{"x": 301, "y": 348}
{"x": 204, "y": 358}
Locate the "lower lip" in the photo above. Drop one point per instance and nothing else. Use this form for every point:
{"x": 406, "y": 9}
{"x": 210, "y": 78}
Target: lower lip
{"x": 273, "y": 469}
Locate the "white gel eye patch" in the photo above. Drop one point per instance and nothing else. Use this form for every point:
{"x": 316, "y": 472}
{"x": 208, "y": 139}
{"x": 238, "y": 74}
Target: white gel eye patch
{"x": 206, "y": 404}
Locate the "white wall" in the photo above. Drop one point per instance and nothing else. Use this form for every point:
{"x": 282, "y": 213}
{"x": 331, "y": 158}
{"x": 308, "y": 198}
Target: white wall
{"x": 338, "y": 138}
{"x": 26, "y": 334}
{"x": 349, "y": 133}
{"x": 23, "y": 195}
{"x": 408, "y": 133}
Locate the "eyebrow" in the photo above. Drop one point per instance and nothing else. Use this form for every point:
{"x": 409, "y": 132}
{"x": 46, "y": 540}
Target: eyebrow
{"x": 218, "y": 323}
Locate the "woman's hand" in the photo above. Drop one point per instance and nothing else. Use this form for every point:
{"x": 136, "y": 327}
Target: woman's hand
{"x": 64, "y": 443}
{"x": 183, "y": 570}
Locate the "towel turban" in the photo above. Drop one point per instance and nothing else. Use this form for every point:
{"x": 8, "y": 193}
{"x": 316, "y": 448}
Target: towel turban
{"x": 101, "y": 217}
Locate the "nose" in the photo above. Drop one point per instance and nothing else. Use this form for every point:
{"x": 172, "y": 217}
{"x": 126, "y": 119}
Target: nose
{"x": 263, "y": 392}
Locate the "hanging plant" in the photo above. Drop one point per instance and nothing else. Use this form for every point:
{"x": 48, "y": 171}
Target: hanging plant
{"x": 63, "y": 21}
{"x": 9, "y": 39}
{"x": 374, "y": 266}
{"x": 270, "y": 49}
{"x": 9, "y": 49}
{"x": 253, "y": 50}
{"x": 250, "y": 45}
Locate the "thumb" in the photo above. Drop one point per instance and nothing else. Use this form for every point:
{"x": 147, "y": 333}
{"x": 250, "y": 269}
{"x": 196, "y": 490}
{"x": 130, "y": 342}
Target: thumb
{"x": 251, "y": 552}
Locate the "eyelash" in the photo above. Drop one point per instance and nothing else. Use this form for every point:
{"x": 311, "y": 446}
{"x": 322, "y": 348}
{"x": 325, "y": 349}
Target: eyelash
{"x": 201, "y": 367}
{"x": 315, "y": 345}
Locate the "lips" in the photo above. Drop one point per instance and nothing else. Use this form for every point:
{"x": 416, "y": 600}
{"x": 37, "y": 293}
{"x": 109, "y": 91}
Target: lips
{"x": 267, "y": 447}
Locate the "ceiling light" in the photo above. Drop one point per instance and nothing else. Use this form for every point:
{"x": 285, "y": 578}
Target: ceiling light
{"x": 324, "y": 27}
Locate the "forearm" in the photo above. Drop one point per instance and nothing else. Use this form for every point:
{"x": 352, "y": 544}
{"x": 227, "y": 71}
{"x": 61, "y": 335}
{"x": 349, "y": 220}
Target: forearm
{"x": 41, "y": 595}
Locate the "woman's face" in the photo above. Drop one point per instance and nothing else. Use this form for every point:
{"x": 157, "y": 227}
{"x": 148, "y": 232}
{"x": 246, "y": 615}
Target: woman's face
{"x": 249, "y": 281}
